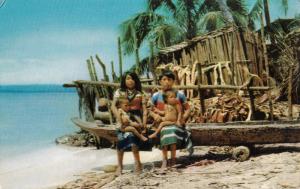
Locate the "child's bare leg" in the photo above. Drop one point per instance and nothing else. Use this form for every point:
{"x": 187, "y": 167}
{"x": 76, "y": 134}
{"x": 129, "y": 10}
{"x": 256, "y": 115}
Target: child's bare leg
{"x": 173, "y": 154}
{"x": 120, "y": 162}
{"x": 135, "y": 132}
{"x": 165, "y": 157}
{"x": 161, "y": 125}
{"x": 154, "y": 135}
{"x": 136, "y": 155}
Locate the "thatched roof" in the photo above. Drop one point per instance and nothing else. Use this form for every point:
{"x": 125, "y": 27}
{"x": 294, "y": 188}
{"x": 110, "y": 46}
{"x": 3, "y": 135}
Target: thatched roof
{"x": 185, "y": 44}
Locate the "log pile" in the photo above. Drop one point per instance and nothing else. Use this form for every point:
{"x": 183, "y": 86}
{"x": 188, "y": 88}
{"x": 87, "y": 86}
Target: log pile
{"x": 231, "y": 107}
{"x": 220, "y": 109}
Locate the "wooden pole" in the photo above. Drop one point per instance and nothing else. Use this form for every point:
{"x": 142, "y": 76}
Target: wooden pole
{"x": 266, "y": 65}
{"x": 93, "y": 68}
{"x": 90, "y": 69}
{"x": 106, "y": 78}
{"x": 202, "y": 103}
{"x": 199, "y": 70}
{"x": 233, "y": 65}
{"x": 114, "y": 76}
{"x": 252, "y": 104}
{"x": 120, "y": 57}
{"x": 183, "y": 87}
{"x": 290, "y": 111}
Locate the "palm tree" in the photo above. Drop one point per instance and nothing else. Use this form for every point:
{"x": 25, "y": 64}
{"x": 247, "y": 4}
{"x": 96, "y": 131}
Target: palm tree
{"x": 180, "y": 20}
{"x": 166, "y": 22}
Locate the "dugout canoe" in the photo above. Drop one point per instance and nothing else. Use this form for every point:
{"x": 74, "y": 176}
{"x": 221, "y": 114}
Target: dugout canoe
{"x": 234, "y": 134}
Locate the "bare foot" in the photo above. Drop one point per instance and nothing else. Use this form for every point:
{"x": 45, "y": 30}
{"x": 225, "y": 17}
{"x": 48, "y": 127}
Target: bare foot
{"x": 144, "y": 131}
{"x": 154, "y": 135}
{"x": 138, "y": 168}
{"x": 164, "y": 164}
{"x": 144, "y": 138}
{"x": 118, "y": 171}
{"x": 173, "y": 162}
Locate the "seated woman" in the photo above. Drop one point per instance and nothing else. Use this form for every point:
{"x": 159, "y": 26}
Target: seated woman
{"x": 130, "y": 123}
{"x": 171, "y": 137}
{"x": 172, "y": 114}
{"x": 130, "y": 89}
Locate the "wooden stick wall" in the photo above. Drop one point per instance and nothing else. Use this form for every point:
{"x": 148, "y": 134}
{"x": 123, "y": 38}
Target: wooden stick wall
{"x": 216, "y": 47}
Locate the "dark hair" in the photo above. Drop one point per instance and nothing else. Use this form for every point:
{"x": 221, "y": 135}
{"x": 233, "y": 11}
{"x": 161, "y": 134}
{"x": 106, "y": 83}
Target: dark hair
{"x": 135, "y": 78}
{"x": 168, "y": 74}
{"x": 166, "y": 93}
{"x": 121, "y": 100}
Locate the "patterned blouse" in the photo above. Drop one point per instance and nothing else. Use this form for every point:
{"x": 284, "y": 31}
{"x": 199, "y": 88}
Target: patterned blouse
{"x": 136, "y": 100}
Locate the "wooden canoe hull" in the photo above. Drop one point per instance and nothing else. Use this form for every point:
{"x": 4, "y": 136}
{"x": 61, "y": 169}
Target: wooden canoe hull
{"x": 244, "y": 133}
{"x": 107, "y": 132}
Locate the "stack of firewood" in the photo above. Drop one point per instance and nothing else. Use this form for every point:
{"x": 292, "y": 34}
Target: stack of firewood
{"x": 220, "y": 109}
{"x": 231, "y": 107}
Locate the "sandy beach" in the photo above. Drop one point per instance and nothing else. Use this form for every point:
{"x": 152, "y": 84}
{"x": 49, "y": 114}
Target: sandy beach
{"x": 57, "y": 165}
{"x": 272, "y": 166}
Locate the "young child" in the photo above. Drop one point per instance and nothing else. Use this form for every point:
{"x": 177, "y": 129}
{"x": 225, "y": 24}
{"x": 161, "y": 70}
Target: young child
{"x": 172, "y": 113}
{"x": 127, "y": 123}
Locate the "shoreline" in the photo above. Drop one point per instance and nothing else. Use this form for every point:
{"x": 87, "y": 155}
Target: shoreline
{"x": 57, "y": 165}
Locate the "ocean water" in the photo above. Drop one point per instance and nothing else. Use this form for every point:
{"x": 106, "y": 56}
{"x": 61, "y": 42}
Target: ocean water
{"x": 32, "y": 116}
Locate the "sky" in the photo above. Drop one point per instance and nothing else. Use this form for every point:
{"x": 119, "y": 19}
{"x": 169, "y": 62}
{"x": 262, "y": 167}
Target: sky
{"x": 49, "y": 41}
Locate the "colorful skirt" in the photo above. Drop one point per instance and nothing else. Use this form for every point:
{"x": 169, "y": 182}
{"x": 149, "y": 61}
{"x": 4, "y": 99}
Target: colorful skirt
{"x": 127, "y": 139}
{"x": 176, "y": 135}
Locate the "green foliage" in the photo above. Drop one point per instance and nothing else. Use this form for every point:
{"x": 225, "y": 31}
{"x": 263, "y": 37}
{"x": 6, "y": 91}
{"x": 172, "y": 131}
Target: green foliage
{"x": 166, "y": 22}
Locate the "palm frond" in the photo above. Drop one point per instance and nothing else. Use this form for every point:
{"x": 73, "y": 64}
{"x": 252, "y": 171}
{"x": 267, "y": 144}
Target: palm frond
{"x": 211, "y": 21}
{"x": 166, "y": 34}
{"x": 206, "y": 6}
{"x": 155, "y": 4}
{"x": 135, "y": 30}
{"x": 238, "y": 6}
{"x": 254, "y": 13}
{"x": 186, "y": 16}
{"x": 294, "y": 25}
{"x": 127, "y": 36}
{"x": 240, "y": 19}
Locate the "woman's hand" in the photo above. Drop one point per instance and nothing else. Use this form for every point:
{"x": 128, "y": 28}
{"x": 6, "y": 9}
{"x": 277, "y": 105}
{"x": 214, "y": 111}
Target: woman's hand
{"x": 178, "y": 123}
{"x": 157, "y": 118}
{"x": 159, "y": 112}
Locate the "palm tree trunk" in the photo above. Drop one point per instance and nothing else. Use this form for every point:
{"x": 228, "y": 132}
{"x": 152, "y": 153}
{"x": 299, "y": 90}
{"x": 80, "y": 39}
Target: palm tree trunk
{"x": 136, "y": 50}
{"x": 191, "y": 25}
{"x": 268, "y": 19}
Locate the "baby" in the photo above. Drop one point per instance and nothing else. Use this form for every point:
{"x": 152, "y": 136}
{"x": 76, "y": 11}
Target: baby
{"x": 172, "y": 114}
{"x": 127, "y": 123}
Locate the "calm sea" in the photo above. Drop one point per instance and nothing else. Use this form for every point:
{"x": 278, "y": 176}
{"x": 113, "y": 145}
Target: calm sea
{"x": 32, "y": 116}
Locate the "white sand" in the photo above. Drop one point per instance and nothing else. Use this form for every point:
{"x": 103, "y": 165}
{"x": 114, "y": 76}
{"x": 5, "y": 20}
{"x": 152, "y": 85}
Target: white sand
{"x": 58, "y": 165}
